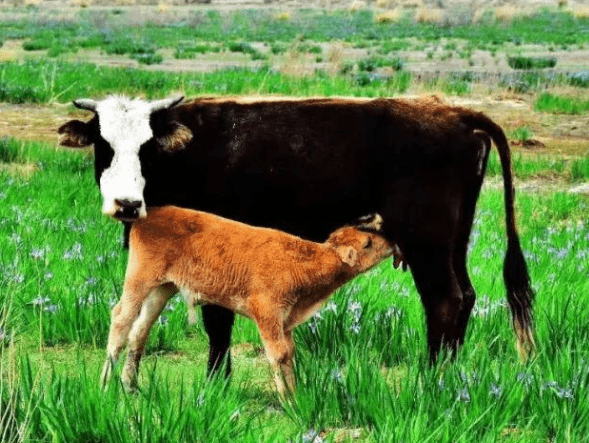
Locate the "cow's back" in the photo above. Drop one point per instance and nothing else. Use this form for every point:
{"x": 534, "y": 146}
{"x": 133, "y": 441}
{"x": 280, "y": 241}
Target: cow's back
{"x": 307, "y": 166}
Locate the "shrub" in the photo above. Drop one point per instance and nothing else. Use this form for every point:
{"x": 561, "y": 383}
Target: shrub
{"x": 580, "y": 79}
{"x": 148, "y": 58}
{"x": 521, "y": 62}
{"x": 186, "y": 52}
{"x": 278, "y": 48}
{"x": 246, "y": 48}
{"x": 580, "y": 169}
{"x": 521, "y": 134}
{"x": 16, "y": 93}
{"x": 457, "y": 87}
{"x": 370, "y": 64}
{"x": 37, "y": 45}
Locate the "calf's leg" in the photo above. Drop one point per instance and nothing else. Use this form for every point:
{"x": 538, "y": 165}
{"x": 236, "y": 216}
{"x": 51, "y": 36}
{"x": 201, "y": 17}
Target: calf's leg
{"x": 150, "y": 311}
{"x": 279, "y": 348}
{"x": 123, "y": 316}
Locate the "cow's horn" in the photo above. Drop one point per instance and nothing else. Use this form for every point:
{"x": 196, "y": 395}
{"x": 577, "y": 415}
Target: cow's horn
{"x": 85, "y": 103}
{"x": 166, "y": 103}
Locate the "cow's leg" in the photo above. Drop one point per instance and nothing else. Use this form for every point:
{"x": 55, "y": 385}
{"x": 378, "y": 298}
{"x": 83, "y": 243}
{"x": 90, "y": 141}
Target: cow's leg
{"x": 444, "y": 302}
{"x": 460, "y": 269}
{"x": 218, "y": 323}
{"x": 460, "y": 249}
{"x": 468, "y": 292}
{"x": 150, "y": 311}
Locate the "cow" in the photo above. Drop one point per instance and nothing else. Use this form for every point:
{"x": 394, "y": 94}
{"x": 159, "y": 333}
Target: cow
{"x": 307, "y": 166}
{"x": 277, "y": 279}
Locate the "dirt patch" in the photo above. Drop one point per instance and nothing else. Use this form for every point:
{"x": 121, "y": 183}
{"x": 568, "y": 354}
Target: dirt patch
{"x": 581, "y": 189}
{"x": 32, "y": 122}
{"x": 530, "y": 144}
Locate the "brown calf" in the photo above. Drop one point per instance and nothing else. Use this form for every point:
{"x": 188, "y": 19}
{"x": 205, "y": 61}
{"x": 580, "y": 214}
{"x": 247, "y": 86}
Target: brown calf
{"x": 275, "y": 278}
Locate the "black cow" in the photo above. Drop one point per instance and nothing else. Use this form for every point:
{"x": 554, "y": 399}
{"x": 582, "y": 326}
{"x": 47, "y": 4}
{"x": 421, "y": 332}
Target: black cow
{"x": 309, "y": 166}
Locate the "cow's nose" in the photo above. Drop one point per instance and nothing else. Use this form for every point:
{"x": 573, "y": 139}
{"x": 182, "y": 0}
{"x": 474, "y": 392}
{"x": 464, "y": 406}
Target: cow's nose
{"x": 127, "y": 210}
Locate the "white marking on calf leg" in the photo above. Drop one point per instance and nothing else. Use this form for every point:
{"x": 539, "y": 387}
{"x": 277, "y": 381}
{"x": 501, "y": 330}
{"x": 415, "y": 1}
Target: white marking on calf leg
{"x": 150, "y": 311}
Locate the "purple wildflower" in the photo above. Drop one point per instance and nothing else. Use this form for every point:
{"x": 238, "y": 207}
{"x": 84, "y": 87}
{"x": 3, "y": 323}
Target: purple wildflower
{"x": 37, "y": 254}
{"x": 464, "y": 396}
{"x": 312, "y": 436}
{"x": 40, "y": 301}
{"x": 52, "y": 309}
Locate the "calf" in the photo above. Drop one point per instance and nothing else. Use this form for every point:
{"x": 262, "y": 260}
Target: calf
{"x": 275, "y": 278}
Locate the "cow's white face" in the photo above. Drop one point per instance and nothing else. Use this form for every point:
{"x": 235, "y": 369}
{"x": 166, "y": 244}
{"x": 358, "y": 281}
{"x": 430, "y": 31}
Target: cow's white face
{"x": 124, "y": 124}
{"x": 122, "y": 127}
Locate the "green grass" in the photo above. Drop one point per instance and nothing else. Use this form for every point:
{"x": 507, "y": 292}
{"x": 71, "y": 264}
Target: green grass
{"x": 528, "y": 166}
{"x": 42, "y": 81}
{"x": 94, "y": 28}
{"x": 561, "y": 104}
{"x": 361, "y": 364}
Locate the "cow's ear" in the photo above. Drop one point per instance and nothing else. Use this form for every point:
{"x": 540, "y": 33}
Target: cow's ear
{"x": 372, "y": 222}
{"x": 75, "y": 134}
{"x": 175, "y": 137}
{"x": 348, "y": 255}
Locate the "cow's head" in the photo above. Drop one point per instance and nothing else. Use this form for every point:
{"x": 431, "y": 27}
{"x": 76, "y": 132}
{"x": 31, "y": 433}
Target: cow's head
{"x": 121, "y": 130}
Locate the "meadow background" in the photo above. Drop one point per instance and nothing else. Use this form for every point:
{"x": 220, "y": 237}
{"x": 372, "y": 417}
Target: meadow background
{"x": 361, "y": 363}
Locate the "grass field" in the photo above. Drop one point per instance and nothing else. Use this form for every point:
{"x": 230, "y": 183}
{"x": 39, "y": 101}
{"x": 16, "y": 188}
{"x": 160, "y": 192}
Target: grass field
{"x": 361, "y": 363}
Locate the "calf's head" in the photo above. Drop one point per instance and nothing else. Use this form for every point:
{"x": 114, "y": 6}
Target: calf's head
{"x": 122, "y": 130}
{"x": 360, "y": 247}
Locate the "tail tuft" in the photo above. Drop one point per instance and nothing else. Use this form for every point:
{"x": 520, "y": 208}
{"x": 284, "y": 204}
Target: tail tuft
{"x": 520, "y": 297}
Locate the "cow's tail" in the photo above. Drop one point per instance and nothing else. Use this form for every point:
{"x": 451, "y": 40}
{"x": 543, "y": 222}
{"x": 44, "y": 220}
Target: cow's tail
{"x": 515, "y": 272}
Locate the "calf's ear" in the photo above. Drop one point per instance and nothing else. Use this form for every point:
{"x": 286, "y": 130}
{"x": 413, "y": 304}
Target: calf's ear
{"x": 175, "y": 137}
{"x": 348, "y": 255}
{"x": 75, "y": 134}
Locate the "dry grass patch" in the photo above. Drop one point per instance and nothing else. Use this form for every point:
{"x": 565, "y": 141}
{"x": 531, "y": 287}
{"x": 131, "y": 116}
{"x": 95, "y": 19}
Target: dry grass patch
{"x": 25, "y": 170}
{"x": 390, "y": 16}
{"x": 508, "y": 13}
{"x": 579, "y": 11}
{"x": 567, "y": 147}
{"x": 357, "y": 5}
{"x": 383, "y": 4}
{"x": 7, "y": 55}
{"x": 411, "y": 3}
{"x": 429, "y": 15}
{"x": 335, "y": 58}
{"x": 298, "y": 64}
{"x": 283, "y": 16}
{"x": 163, "y": 8}
{"x": 81, "y": 3}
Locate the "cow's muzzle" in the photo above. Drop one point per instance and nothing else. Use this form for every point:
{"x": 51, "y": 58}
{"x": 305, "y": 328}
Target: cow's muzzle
{"x": 127, "y": 210}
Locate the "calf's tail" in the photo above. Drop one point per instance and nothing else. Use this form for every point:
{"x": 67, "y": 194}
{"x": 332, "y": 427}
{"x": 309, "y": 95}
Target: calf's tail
{"x": 515, "y": 272}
